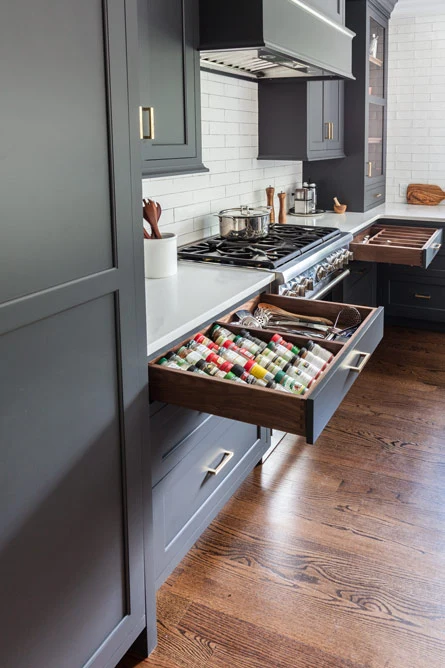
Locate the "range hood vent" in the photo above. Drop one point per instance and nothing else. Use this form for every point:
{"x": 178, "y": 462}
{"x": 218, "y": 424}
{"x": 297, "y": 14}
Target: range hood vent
{"x": 269, "y": 39}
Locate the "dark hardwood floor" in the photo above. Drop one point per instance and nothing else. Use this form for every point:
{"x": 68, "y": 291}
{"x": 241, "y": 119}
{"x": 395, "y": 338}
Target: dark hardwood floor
{"x": 329, "y": 555}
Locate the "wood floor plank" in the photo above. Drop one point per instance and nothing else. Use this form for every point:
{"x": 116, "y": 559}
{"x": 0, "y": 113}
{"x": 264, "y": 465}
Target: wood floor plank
{"x": 329, "y": 556}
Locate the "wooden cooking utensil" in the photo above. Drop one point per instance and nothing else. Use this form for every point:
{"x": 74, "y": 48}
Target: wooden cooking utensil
{"x": 305, "y": 318}
{"x": 150, "y": 212}
{"x": 270, "y": 192}
{"x": 420, "y": 193}
{"x": 282, "y": 213}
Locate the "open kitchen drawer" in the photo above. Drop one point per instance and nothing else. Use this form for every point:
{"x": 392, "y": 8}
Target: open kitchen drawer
{"x": 305, "y": 415}
{"x": 414, "y": 246}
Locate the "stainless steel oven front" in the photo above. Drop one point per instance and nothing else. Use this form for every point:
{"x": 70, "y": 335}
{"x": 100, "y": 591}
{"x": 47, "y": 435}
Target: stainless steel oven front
{"x": 317, "y": 275}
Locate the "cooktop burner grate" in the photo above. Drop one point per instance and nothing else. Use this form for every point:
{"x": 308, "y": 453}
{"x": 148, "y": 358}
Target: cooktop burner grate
{"x": 282, "y": 244}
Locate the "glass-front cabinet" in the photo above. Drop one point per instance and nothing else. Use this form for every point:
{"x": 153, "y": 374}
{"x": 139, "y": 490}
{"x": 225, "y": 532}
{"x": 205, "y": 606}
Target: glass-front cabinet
{"x": 376, "y": 94}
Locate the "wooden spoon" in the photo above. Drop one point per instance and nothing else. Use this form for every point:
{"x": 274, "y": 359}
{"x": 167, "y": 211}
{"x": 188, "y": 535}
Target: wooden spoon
{"x": 150, "y": 212}
{"x": 305, "y": 318}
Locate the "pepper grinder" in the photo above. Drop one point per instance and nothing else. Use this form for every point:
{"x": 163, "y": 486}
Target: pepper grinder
{"x": 282, "y": 214}
{"x": 270, "y": 192}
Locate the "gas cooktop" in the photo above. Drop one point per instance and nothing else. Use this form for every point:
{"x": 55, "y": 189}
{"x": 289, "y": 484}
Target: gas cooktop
{"x": 282, "y": 244}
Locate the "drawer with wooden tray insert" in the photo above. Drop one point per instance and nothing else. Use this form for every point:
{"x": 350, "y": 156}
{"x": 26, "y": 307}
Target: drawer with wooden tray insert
{"x": 391, "y": 244}
{"x": 306, "y": 414}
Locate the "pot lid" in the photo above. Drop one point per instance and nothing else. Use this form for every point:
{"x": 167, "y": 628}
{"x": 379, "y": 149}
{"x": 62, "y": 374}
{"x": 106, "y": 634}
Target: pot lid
{"x": 246, "y": 212}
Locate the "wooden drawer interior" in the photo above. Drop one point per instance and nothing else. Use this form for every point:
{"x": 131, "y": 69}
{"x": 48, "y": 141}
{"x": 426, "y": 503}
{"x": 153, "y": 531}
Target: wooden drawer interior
{"x": 414, "y": 246}
{"x": 251, "y": 403}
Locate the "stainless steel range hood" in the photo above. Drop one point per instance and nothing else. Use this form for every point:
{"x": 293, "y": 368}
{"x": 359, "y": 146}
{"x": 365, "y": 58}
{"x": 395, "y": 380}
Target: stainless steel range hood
{"x": 262, "y": 39}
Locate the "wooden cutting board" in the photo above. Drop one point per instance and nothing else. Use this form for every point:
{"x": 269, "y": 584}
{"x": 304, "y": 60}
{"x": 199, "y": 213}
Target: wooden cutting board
{"x": 421, "y": 193}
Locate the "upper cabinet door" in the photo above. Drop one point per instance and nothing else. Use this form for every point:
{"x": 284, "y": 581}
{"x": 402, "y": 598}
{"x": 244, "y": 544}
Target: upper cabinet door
{"x": 170, "y": 112}
{"x": 325, "y": 119}
{"x": 377, "y": 80}
{"x": 334, "y": 9}
{"x": 333, "y": 102}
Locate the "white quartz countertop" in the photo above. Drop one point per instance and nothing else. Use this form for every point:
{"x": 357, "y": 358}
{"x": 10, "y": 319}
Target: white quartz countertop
{"x": 355, "y": 222}
{"x": 198, "y": 292}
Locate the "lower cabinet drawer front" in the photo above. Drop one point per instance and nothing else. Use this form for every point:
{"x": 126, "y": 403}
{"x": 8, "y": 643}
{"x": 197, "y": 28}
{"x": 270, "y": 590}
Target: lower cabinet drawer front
{"x": 375, "y": 196}
{"x": 331, "y": 391}
{"x": 416, "y": 299}
{"x": 184, "y": 499}
{"x": 173, "y": 432}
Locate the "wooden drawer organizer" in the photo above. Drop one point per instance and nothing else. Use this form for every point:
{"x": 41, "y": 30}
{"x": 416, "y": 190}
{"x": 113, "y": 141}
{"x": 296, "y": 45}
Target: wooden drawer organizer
{"x": 306, "y": 415}
{"x": 414, "y": 246}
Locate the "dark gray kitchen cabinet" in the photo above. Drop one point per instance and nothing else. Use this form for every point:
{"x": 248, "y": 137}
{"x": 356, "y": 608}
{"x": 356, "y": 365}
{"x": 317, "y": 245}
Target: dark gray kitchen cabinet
{"x": 300, "y": 120}
{"x": 198, "y": 462}
{"x": 412, "y": 294}
{"x": 360, "y": 287}
{"x": 169, "y": 79}
{"x": 325, "y": 119}
{"x": 72, "y": 338}
{"x": 359, "y": 179}
{"x": 334, "y": 9}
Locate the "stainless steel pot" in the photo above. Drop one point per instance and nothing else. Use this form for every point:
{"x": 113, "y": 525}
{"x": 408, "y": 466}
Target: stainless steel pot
{"x": 244, "y": 222}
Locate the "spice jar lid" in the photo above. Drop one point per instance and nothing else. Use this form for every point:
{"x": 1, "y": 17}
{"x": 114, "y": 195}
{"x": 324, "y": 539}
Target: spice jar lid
{"x": 279, "y": 376}
{"x": 249, "y": 364}
{"x": 226, "y": 366}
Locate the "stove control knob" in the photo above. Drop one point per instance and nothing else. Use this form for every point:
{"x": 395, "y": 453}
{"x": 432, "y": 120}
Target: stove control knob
{"x": 350, "y": 256}
{"x": 310, "y": 284}
{"x": 330, "y": 267}
{"x": 301, "y": 291}
{"x": 338, "y": 263}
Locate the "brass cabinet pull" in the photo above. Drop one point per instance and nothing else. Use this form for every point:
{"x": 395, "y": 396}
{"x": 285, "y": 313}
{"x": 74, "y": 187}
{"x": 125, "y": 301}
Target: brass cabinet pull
{"x": 151, "y": 115}
{"x": 226, "y": 459}
{"x": 359, "y": 368}
{"x": 436, "y": 246}
{"x": 422, "y": 296}
{"x": 332, "y": 131}
{"x": 378, "y": 195}
{"x": 369, "y": 169}
{"x": 328, "y": 131}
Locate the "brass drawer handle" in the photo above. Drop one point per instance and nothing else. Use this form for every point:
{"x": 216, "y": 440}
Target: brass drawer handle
{"x": 226, "y": 459}
{"x": 422, "y": 296}
{"x": 359, "y": 368}
{"x": 436, "y": 246}
{"x": 151, "y": 114}
{"x": 378, "y": 195}
{"x": 328, "y": 131}
{"x": 332, "y": 131}
{"x": 369, "y": 169}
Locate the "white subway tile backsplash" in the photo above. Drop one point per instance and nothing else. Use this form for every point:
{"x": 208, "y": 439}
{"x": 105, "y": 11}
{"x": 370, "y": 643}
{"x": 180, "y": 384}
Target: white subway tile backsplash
{"x": 416, "y": 103}
{"x": 230, "y": 149}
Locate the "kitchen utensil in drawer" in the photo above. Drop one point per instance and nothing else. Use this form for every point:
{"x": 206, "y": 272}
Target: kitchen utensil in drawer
{"x": 276, "y": 311}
